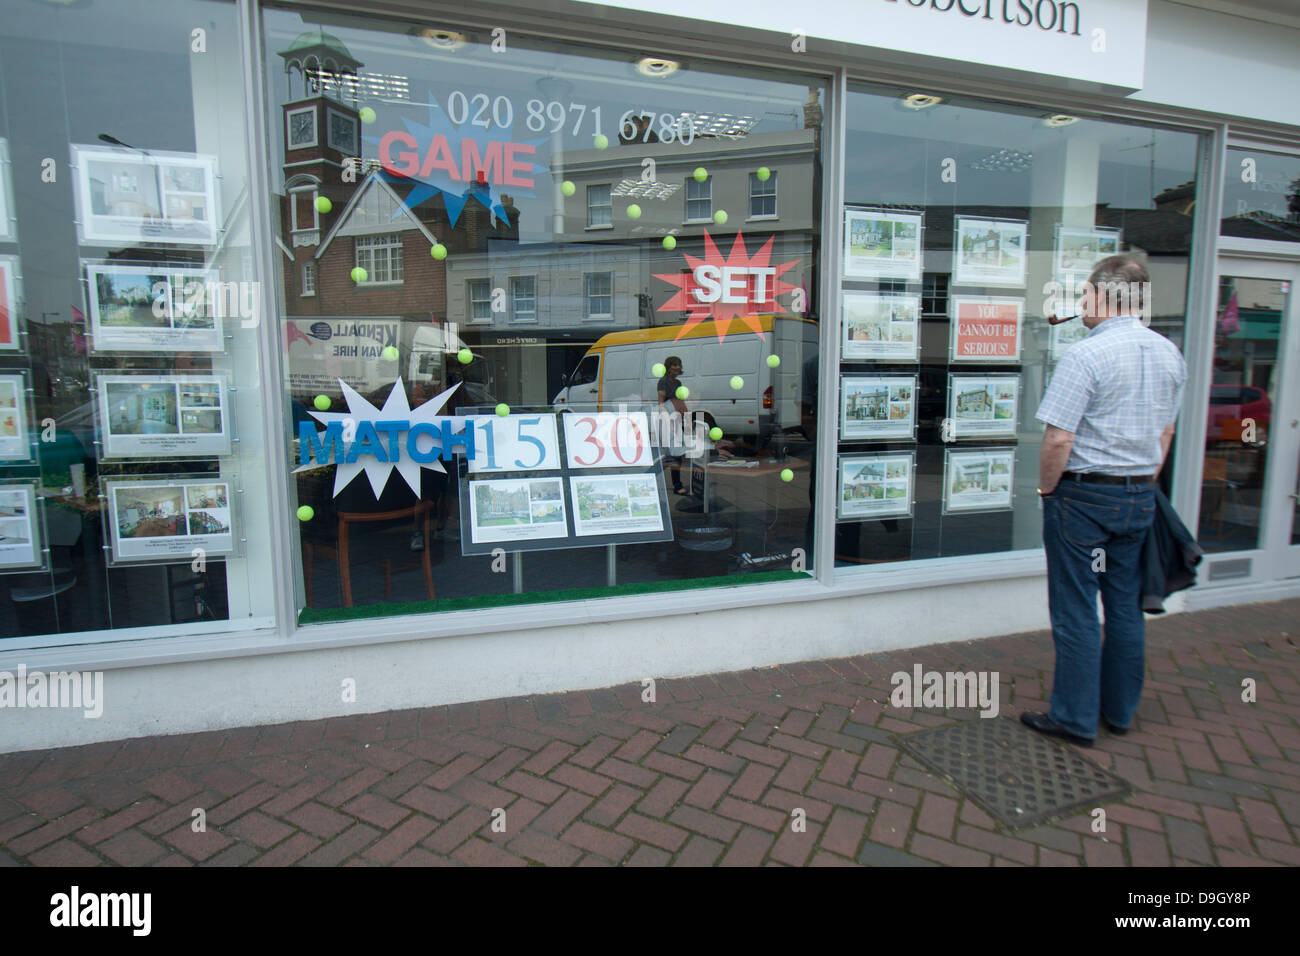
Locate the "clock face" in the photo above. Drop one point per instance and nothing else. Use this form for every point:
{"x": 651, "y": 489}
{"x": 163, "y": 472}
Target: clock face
{"x": 342, "y": 133}
{"x": 302, "y": 129}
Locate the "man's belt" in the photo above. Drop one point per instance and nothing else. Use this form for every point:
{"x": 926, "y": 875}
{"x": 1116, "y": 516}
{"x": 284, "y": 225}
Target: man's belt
{"x": 1096, "y": 478}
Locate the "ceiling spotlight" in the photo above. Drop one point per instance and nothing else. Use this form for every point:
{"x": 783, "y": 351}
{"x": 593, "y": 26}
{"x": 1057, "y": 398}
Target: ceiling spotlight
{"x": 656, "y": 67}
{"x": 1057, "y": 120}
{"x": 445, "y": 40}
{"x": 921, "y": 101}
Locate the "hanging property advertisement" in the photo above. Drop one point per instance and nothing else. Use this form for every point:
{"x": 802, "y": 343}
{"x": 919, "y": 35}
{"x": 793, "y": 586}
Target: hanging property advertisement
{"x": 162, "y": 519}
{"x": 8, "y": 231}
{"x": 875, "y": 486}
{"x": 324, "y": 350}
{"x": 877, "y": 407}
{"x": 163, "y": 416}
{"x": 983, "y": 406}
{"x": 525, "y": 509}
{"x": 128, "y": 197}
{"x": 10, "y": 293}
{"x": 1077, "y": 251}
{"x": 989, "y": 252}
{"x": 153, "y": 308}
{"x": 879, "y": 326}
{"x": 15, "y": 442}
{"x": 20, "y": 537}
{"x": 615, "y": 504}
{"x": 977, "y": 480}
{"x": 1061, "y": 337}
{"x": 985, "y": 329}
{"x": 882, "y": 244}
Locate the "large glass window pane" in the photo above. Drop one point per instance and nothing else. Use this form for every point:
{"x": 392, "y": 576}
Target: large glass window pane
{"x": 1261, "y": 196}
{"x": 547, "y": 279}
{"x": 966, "y": 225}
{"x": 132, "y": 457}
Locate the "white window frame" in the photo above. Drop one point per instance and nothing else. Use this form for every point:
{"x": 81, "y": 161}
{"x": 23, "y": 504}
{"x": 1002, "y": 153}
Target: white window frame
{"x": 607, "y": 205}
{"x": 515, "y": 314}
{"x": 470, "y": 300}
{"x": 588, "y": 295}
{"x": 308, "y": 287}
{"x": 691, "y": 183}
{"x": 755, "y": 182}
{"x": 383, "y": 240}
{"x": 295, "y": 194}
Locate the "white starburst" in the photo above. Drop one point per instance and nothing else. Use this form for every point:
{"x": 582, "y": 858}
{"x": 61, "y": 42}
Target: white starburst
{"x": 396, "y": 408}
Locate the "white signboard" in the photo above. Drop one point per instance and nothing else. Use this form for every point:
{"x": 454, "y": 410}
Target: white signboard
{"x": 608, "y": 440}
{"x": 514, "y": 443}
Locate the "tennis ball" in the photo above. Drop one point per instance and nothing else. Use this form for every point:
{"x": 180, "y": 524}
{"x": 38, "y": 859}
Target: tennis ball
{"x": 634, "y": 211}
{"x": 787, "y": 474}
{"x": 670, "y": 243}
{"x": 773, "y": 361}
{"x": 720, "y": 217}
{"x": 568, "y": 188}
{"x": 322, "y": 403}
{"x": 600, "y": 141}
{"x": 306, "y": 512}
{"x": 389, "y": 354}
{"x": 359, "y": 274}
{"x": 367, "y": 115}
{"x": 439, "y": 251}
{"x": 764, "y": 174}
{"x": 700, "y": 174}
{"x": 464, "y": 356}
{"x": 715, "y": 433}
{"x": 683, "y": 392}
{"x": 658, "y": 370}
{"x": 737, "y": 382}
{"x": 323, "y": 204}
{"x": 503, "y": 409}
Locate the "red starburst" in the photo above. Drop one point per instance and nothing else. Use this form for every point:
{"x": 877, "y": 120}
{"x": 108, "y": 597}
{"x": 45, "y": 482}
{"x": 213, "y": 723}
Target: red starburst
{"x": 722, "y": 278}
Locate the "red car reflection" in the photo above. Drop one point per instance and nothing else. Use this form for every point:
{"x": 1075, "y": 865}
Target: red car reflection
{"x": 1230, "y": 405}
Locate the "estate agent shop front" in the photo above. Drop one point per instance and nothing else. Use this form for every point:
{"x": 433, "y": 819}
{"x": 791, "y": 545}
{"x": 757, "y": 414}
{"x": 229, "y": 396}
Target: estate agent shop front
{"x": 363, "y": 361}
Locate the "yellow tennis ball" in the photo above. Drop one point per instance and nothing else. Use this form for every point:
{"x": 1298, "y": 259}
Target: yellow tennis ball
{"x": 323, "y": 204}
{"x": 737, "y": 382}
{"x": 439, "y": 251}
{"x": 306, "y": 512}
{"x": 568, "y": 188}
{"x": 658, "y": 370}
{"x": 600, "y": 141}
{"x": 720, "y": 217}
{"x": 389, "y": 354}
{"x": 683, "y": 392}
{"x": 322, "y": 403}
{"x": 359, "y": 275}
{"x": 773, "y": 361}
{"x": 465, "y": 356}
{"x": 787, "y": 474}
{"x": 367, "y": 115}
{"x": 700, "y": 174}
{"x": 763, "y": 173}
{"x": 634, "y": 211}
{"x": 715, "y": 433}
{"x": 670, "y": 243}
{"x": 503, "y": 409}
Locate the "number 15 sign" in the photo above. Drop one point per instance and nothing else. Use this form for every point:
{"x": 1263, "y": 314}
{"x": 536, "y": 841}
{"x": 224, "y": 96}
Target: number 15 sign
{"x": 608, "y": 440}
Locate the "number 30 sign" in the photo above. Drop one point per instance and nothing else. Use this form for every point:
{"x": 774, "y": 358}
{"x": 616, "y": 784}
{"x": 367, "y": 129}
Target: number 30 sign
{"x": 608, "y": 440}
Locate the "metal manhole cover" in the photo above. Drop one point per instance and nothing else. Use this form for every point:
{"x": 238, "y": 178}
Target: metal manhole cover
{"x": 1015, "y": 774}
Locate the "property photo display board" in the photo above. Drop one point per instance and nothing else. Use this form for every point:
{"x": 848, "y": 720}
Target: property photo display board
{"x": 164, "y": 519}
{"x": 989, "y": 252}
{"x": 153, "y": 308}
{"x": 983, "y": 406}
{"x": 985, "y": 328}
{"x": 1061, "y": 337}
{"x": 15, "y": 439}
{"x": 880, "y": 326}
{"x": 978, "y": 480}
{"x": 877, "y": 407}
{"x": 10, "y": 315}
{"x": 8, "y": 229}
{"x": 127, "y": 197}
{"x": 883, "y": 244}
{"x": 1077, "y": 251}
{"x": 876, "y": 486}
{"x": 548, "y": 480}
{"x": 163, "y": 416}
{"x": 20, "y": 529}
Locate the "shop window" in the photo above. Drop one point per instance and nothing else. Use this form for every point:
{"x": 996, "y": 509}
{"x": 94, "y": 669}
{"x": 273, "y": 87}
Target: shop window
{"x": 699, "y": 200}
{"x": 591, "y": 316}
{"x": 480, "y": 300}
{"x": 1261, "y": 196}
{"x": 523, "y": 298}
{"x": 762, "y": 196}
{"x": 600, "y": 209}
{"x": 380, "y": 256}
{"x": 945, "y": 289}
{"x": 134, "y": 499}
{"x": 600, "y": 295}
{"x": 309, "y": 278}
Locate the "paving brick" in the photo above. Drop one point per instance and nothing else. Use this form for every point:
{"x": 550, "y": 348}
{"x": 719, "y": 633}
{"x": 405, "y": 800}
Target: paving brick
{"x": 937, "y": 815}
{"x": 946, "y": 852}
{"x": 607, "y": 810}
{"x": 399, "y": 840}
{"x": 708, "y": 824}
{"x": 699, "y": 851}
{"x": 793, "y": 848}
{"x": 1227, "y": 830}
{"x": 764, "y": 817}
{"x": 556, "y": 818}
{"x": 644, "y": 830}
{"x": 452, "y": 833}
{"x": 259, "y": 829}
{"x": 478, "y": 852}
{"x": 442, "y": 806}
{"x": 318, "y": 820}
{"x": 998, "y": 844}
{"x": 891, "y": 824}
{"x": 64, "y": 853}
{"x": 663, "y": 796}
{"x": 649, "y": 856}
{"x": 752, "y": 782}
{"x": 609, "y": 845}
{"x": 579, "y": 779}
{"x": 748, "y": 849}
{"x": 1147, "y": 849}
{"x": 292, "y": 850}
{"x": 376, "y": 811}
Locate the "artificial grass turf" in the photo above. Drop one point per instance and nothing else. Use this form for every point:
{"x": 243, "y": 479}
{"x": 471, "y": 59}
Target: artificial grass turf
{"x": 323, "y": 615}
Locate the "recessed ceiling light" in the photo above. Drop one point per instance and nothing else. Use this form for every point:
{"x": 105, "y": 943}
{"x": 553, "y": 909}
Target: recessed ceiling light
{"x": 446, "y": 40}
{"x": 921, "y": 101}
{"x": 656, "y": 66}
{"x": 1057, "y": 120}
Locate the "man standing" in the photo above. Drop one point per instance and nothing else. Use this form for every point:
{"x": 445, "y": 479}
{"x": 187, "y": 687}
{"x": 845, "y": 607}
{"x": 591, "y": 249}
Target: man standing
{"x": 1110, "y": 414}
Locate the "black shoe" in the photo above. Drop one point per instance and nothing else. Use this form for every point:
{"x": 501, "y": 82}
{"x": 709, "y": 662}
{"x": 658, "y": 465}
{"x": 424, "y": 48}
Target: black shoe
{"x": 1045, "y": 725}
{"x": 1117, "y": 731}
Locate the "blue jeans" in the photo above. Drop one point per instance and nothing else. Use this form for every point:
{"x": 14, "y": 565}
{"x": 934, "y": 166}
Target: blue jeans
{"x": 1093, "y": 536}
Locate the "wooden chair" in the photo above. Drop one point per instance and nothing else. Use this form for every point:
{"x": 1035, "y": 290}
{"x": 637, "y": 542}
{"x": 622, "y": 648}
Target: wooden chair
{"x": 423, "y": 509}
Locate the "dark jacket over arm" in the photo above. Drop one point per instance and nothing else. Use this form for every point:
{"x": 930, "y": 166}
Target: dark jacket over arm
{"x": 1169, "y": 557}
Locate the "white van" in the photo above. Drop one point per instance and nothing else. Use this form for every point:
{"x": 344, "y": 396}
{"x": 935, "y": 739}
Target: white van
{"x": 618, "y": 369}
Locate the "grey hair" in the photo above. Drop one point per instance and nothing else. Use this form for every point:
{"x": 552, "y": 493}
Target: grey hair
{"x": 1123, "y": 280}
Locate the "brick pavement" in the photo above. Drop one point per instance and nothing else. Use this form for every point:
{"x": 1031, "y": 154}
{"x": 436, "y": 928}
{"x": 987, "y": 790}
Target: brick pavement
{"x": 708, "y": 774}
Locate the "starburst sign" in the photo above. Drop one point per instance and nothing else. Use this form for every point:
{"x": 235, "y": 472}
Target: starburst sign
{"x": 381, "y": 463}
{"x": 739, "y": 287}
